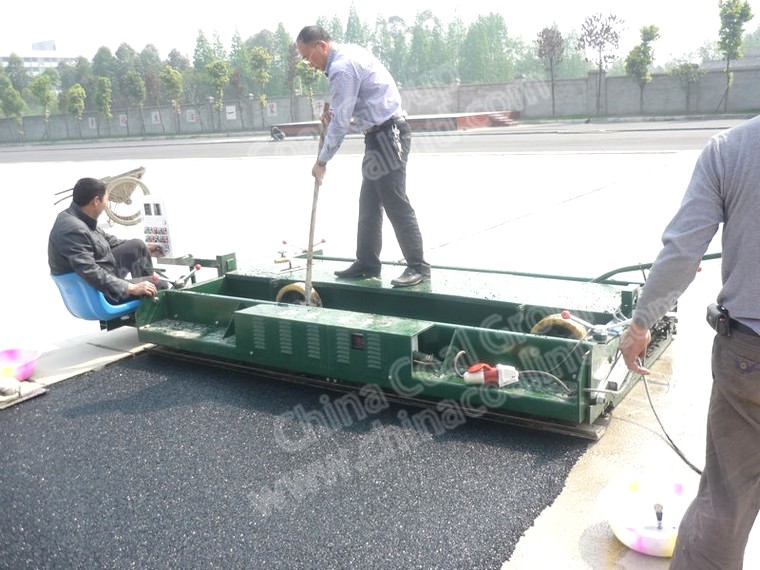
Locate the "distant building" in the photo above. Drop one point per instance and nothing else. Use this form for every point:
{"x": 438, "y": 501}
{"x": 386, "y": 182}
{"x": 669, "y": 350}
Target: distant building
{"x": 41, "y": 56}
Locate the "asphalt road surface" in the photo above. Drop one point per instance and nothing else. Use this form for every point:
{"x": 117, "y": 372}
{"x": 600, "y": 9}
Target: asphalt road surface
{"x": 654, "y": 136}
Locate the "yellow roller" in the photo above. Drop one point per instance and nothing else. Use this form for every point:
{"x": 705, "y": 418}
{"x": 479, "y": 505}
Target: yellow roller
{"x": 557, "y": 325}
{"x": 295, "y": 294}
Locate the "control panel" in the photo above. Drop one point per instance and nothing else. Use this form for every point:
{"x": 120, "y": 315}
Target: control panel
{"x": 156, "y": 227}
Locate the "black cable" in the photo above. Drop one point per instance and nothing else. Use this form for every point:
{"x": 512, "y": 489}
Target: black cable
{"x": 667, "y": 436}
{"x": 668, "y": 439}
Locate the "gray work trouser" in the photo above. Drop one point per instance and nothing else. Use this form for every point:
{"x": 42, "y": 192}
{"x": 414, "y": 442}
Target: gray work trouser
{"x": 715, "y": 527}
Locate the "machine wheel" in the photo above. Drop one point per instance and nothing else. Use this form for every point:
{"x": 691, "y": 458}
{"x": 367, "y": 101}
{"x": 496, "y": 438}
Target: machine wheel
{"x": 295, "y": 294}
{"x": 555, "y": 325}
{"x": 125, "y": 206}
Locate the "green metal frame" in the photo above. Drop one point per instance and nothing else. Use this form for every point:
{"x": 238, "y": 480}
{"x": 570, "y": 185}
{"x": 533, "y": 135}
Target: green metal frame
{"x": 408, "y": 340}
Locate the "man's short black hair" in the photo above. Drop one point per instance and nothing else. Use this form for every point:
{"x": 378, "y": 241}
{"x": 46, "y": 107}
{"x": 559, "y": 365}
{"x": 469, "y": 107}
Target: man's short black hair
{"x": 86, "y": 189}
{"x": 311, "y": 34}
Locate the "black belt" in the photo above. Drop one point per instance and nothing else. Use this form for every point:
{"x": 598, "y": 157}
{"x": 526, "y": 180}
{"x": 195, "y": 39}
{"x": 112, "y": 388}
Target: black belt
{"x": 386, "y": 125}
{"x": 739, "y": 327}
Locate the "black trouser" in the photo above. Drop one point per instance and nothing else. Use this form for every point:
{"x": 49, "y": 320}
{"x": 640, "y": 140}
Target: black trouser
{"x": 132, "y": 257}
{"x": 384, "y": 187}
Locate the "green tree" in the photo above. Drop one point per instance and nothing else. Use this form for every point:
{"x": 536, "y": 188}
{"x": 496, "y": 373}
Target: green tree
{"x": 687, "y": 74}
{"x": 751, "y": 43}
{"x": 133, "y": 88}
{"x": 204, "y": 54}
{"x": 196, "y": 85}
{"x": 104, "y": 64}
{"x": 177, "y": 61}
{"x": 42, "y": 90}
{"x": 150, "y": 66}
{"x": 485, "y": 55}
{"x": 294, "y": 58}
{"x": 240, "y": 64}
{"x": 63, "y": 106}
{"x": 334, "y": 27}
{"x": 76, "y": 98}
{"x": 261, "y": 62}
{"x": 381, "y": 42}
{"x": 574, "y": 63}
{"x": 456, "y": 34}
{"x": 171, "y": 83}
{"x": 356, "y": 32}
{"x": 11, "y": 103}
{"x": 708, "y": 52}
{"x": 263, "y": 39}
{"x": 149, "y": 60}
{"x": 733, "y": 15}
{"x": 126, "y": 61}
{"x": 80, "y": 72}
{"x": 55, "y": 78}
{"x": 639, "y": 61}
{"x": 281, "y": 68}
{"x": 308, "y": 76}
{"x": 527, "y": 64}
{"x": 551, "y": 48}
{"x": 220, "y": 54}
{"x": 126, "y": 57}
{"x": 17, "y": 73}
{"x": 395, "y": 52}
{"x": 600, "y": 35}
{"x": 428, "y": 64}
{"x": 103, "y": 98}
{"x": 219, "y": 72}
{"x": 152, "y": 87}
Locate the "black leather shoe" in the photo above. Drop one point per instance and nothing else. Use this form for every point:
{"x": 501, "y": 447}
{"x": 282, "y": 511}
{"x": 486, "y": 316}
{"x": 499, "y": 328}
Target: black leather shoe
{"x": 409, "y": 277}
{"x": 357, "y": 271}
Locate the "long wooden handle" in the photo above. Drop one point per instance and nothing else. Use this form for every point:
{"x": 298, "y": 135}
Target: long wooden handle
{"x": 312, "y": 226}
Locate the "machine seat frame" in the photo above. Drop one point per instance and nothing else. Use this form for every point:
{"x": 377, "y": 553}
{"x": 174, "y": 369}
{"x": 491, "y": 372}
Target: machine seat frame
{"x": 85, "y": 302}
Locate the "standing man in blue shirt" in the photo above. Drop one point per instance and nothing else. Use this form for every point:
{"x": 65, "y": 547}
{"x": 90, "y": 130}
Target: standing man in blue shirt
{"x": 362, "y": 88}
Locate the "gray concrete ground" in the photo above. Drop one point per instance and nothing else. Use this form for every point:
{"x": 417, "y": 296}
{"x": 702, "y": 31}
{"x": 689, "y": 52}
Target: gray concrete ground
{"x": 560, "y": 212}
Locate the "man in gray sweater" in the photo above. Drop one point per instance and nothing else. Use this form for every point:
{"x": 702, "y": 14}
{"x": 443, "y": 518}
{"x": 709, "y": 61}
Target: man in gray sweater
{"x": 725, "y": 188}
{"x": 77, "y": 244}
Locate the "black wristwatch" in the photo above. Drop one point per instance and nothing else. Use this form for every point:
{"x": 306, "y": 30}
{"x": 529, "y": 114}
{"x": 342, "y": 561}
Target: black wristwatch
{"x": 321, "y": 163}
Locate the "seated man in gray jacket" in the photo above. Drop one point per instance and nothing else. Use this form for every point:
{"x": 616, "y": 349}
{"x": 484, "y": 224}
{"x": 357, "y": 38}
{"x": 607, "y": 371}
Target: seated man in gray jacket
{"x": 78, "y": 245}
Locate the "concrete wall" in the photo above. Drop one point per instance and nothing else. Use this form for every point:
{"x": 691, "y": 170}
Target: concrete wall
{"x": 235, "y": 116}
{"x": 532, "y": 99}
{"x": 577, "y": 97}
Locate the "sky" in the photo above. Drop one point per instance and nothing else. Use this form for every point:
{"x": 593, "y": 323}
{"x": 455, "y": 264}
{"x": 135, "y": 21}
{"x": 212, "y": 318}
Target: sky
{"x": 81, "y": 27}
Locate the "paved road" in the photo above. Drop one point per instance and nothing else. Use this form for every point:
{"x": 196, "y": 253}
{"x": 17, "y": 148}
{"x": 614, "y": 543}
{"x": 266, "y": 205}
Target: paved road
{"x": 655, "y": 136}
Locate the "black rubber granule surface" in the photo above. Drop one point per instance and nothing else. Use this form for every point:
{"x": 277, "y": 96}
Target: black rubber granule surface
{"x": 153, "y": 463}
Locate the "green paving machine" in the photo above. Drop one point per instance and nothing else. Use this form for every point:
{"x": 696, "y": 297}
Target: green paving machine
{"x": 531, "y": 349}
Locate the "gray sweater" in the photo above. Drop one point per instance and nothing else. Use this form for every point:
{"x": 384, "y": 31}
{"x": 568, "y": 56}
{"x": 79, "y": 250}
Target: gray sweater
{"x": 725, "y": 188}
{"x": 77, "y": 244}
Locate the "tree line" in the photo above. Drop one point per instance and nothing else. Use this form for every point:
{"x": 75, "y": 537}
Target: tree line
{"x": 424, "y": 53}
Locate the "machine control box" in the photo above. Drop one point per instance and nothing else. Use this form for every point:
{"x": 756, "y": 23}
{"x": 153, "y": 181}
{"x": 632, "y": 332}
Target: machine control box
{"x": 156, "y": 226}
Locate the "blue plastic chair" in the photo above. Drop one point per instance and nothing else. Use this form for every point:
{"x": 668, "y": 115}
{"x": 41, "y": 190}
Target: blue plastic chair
{"x": 85, "y": 302}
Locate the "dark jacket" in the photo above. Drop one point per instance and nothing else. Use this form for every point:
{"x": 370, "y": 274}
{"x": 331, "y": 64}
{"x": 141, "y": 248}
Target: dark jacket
{"x": 77, "y": 244}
